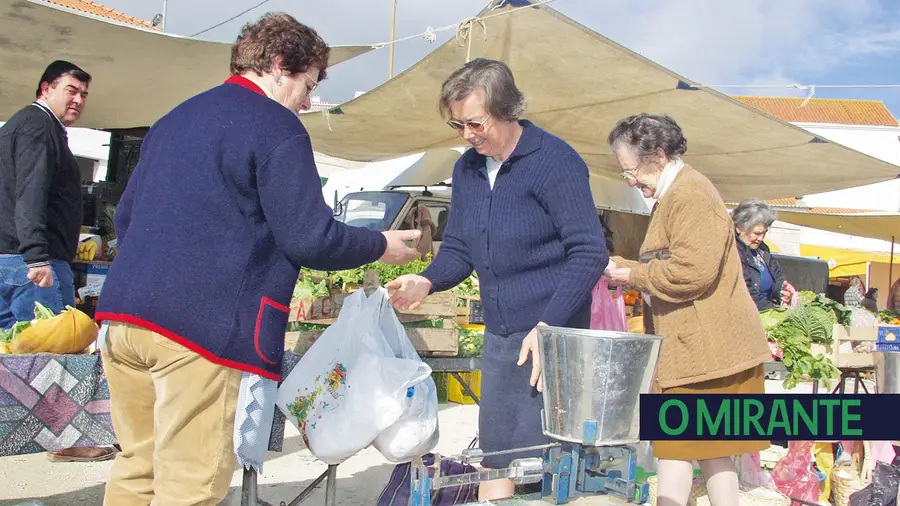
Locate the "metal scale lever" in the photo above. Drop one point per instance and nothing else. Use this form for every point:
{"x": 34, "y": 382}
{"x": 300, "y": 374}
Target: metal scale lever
{"x": 520, "y": 471}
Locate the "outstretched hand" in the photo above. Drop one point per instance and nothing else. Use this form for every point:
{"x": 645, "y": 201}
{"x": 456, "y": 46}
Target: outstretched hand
{"x": 408, "y": 291}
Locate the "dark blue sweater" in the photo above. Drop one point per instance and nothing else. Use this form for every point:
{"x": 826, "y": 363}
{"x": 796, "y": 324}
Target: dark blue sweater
{"x": 535, "y": 241}
{"x": 221, "y": 212}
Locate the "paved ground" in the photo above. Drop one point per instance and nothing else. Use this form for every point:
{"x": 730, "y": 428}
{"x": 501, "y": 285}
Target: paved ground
{"x": 360, "y": 479}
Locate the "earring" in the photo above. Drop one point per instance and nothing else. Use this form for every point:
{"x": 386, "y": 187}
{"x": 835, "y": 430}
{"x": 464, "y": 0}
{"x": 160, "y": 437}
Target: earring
{"x": 278, "y": 82}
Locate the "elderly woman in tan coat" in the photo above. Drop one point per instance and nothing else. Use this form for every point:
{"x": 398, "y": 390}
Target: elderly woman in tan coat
{"x": 691, "y": 276}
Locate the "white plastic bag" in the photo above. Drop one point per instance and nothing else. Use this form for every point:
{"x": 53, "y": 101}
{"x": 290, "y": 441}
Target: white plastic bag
{"x": 416, "y": 432}
{"x": 350, "y": 385}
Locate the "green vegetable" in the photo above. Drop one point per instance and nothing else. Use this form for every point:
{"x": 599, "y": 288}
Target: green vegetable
{"x": 466, "y": 289}
{"x": 471, "y": 343}
{"x": 842, "y": 314}
{"x": 41, "y": 312}
{"x": 305, "y": 288}
{"x": 772, "y": 317}
{"x": 887, "y": 316}
{"x": 795, "y": 331}
{"x": 7, "y": 335}
{"x": 386, "y": 274}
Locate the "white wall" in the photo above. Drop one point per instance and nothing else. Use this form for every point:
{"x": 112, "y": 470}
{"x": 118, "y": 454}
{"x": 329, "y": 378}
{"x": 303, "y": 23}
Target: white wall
{"x": 879, "y": 142}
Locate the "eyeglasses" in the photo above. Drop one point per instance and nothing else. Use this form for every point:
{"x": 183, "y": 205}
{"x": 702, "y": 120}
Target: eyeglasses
{"x": 315, "y": 84}
{"x": 475, "y": 126}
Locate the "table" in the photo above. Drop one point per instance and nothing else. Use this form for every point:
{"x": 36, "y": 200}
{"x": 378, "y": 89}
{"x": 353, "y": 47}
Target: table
{"x": 52, "y": 402}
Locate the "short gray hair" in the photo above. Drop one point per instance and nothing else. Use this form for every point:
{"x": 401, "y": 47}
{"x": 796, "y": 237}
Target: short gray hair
{"x": 647, "y": 133}
{"x": 502, "y": 98}
{"x": 751, "y": 213}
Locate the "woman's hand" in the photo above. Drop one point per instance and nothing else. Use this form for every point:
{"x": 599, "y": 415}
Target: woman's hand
{"x": 408, "y": 291}
{"x": 787, "y": 293}
{"x": 618, "y": 276}
{"x": 530, "y": 347}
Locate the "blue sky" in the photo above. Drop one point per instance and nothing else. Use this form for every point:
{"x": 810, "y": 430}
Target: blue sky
{"x": 727, "y": 42}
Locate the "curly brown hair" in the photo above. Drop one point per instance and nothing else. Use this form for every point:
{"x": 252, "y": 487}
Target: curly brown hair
{"x": 279, "y": 35}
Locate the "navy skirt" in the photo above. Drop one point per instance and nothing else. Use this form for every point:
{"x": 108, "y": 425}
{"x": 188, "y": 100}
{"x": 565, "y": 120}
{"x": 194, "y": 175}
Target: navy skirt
{"x": 509, "y": 415}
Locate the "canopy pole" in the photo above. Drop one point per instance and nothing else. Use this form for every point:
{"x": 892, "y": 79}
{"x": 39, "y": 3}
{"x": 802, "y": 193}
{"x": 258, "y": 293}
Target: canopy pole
{"x": 393, "y": 36}
{"x": 890, "y": 284}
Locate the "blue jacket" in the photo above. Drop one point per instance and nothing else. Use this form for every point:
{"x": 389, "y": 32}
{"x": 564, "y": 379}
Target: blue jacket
{"x": 535, "y": 240}
{"x": 221, "y": 212}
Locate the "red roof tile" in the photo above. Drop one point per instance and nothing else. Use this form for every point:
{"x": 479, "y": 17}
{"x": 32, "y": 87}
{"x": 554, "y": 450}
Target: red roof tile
{"x": 824, "y": 110}
{"x": 89, "y": 7}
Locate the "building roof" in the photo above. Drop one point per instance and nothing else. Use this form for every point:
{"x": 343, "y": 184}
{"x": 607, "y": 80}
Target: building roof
{"x": 797, "y": 205}
{"x": 95, "y": 9}
{"x": 824, "y": 110}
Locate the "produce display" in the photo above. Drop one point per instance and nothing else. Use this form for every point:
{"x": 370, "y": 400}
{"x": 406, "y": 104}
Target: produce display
{"x": 314, "y": 283}
{"x": 794, "y": 331}
{"x": 888, "y": 317}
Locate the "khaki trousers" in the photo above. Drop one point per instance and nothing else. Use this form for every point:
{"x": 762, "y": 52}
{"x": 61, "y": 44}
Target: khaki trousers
{"x": 173, "y": 413}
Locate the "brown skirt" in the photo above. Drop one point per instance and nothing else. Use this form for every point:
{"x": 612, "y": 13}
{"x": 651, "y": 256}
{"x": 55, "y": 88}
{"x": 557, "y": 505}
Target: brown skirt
{"x": 751, "y": 381}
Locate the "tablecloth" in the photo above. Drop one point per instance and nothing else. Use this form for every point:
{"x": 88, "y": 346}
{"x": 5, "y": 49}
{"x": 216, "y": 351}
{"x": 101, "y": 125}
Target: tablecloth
{"x": 51, "y": 402}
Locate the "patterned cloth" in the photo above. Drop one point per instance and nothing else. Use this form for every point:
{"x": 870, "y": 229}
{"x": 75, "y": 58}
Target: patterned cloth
{"x": 52, "y": 402}
{"x": 253, "y": 420}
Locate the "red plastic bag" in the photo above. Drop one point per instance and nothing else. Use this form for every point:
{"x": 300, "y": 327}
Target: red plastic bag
{"x": 794, "y": 475}
{"x": 607, "y": 312}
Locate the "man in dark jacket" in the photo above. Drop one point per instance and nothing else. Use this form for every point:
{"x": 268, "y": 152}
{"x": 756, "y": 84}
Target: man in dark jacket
{"x": 41, "y": 208}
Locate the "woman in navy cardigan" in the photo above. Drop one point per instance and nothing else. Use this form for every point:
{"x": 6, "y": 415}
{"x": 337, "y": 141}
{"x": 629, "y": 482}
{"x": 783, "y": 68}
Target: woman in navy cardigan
{"x": 522, "y": 216}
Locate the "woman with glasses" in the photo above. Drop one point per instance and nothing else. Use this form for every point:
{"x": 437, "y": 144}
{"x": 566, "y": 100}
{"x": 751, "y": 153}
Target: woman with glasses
{"x": 689, "y": 270}
{"x": 762, "y": 274}
{"x": 522, "y": 216}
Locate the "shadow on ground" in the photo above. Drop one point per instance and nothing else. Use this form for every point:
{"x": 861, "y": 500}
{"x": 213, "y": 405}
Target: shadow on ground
{"x": 357, "y": 489}
{"x": 89, "y": 496}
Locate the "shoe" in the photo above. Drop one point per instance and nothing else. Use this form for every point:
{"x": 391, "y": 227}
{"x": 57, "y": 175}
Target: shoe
{"x": 83, "y": 454}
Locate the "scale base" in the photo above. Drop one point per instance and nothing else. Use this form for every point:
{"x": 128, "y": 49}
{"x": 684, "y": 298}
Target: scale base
{"x": 569, "y": 473}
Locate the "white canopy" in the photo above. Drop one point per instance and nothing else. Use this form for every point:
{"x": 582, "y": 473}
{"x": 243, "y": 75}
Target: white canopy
{"x": 138, "y": 75}
{"x": 884, "y": 225}
{"x": 579, "y": 84}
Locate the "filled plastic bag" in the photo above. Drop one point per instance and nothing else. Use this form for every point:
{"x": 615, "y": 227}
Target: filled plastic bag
{"x": 608, "y": 312}
{"x": 416, "y": 432}
{"x": 350, "y": 386}
{"x": 794, "y": 475}
{"x": 69, "y": 332}
{"x": 883, "y": 489}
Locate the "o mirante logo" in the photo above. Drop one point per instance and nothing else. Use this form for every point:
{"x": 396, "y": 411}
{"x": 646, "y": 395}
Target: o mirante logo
{"x": 773, "y": 416}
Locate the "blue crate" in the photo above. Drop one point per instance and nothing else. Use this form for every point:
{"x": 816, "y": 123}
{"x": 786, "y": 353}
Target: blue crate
{"x": 888, "y": 338}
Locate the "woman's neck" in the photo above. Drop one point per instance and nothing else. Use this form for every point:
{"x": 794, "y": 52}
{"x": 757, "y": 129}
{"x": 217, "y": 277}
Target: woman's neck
{"x": 263, "y": 83}
{"x": 513, "y": 134}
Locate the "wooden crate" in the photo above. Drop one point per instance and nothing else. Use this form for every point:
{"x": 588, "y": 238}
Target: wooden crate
{"x": 324, "y": 310}
{"x": 443, "y": 342}
{"x": 848, "y": 360}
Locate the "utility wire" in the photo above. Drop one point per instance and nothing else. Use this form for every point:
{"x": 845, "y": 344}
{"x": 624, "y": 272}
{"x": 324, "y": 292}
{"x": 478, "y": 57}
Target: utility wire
{"x": 232, "y": 18}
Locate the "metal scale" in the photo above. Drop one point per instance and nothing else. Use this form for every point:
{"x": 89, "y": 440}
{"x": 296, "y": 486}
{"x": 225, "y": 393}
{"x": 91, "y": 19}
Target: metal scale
{"x": 592, "y": 384}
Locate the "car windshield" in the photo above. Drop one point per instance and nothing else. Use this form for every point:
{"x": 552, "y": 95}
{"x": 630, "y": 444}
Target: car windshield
{"x": 372, "y": 210}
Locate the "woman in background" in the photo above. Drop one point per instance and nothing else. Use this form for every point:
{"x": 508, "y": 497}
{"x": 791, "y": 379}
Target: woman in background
{"x": 870, "y": 301}
{"x": 762, "y": 274}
